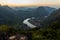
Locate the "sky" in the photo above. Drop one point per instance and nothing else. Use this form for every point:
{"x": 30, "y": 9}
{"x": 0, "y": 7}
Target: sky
{"x": 29, "y": 2}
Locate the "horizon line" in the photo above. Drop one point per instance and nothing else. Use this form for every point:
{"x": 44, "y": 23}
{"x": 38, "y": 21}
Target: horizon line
{"x": 30, "y": 5}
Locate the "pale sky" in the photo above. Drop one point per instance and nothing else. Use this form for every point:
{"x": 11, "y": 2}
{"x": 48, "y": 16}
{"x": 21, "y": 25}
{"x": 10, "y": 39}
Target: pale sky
{"x": 29, "y": 2}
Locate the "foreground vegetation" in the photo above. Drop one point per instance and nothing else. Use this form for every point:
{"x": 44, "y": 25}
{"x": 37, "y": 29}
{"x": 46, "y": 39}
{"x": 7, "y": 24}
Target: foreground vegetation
{"x": 52, "y": 32}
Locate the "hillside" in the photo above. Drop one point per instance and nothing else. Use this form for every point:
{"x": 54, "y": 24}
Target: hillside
{"x": 7, "y": 15}
{"x": 54, "y": 17}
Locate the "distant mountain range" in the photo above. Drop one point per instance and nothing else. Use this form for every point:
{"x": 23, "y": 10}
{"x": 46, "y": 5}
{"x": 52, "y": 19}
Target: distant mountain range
{"x": 39, "y": 12}
{"x": 12, "y": 16}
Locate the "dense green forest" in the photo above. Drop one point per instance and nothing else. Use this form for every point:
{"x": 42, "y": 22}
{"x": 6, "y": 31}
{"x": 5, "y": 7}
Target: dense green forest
{"x": 52, "y": 32}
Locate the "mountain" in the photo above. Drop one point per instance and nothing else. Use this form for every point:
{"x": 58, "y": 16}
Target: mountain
{"x": 24, "y": 8}
{"x": 39, "y": 12}
{"x": 11, "y": 16}
{"x": 54, "y": 17}
{"x": 7, "y": 15}
{"x": 44, "y": 11}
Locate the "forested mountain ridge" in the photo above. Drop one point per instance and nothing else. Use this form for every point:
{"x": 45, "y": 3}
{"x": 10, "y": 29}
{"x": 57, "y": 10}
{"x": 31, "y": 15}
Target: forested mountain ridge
{"x": 9, "y": 16}
{"x": 55, "y": 16}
